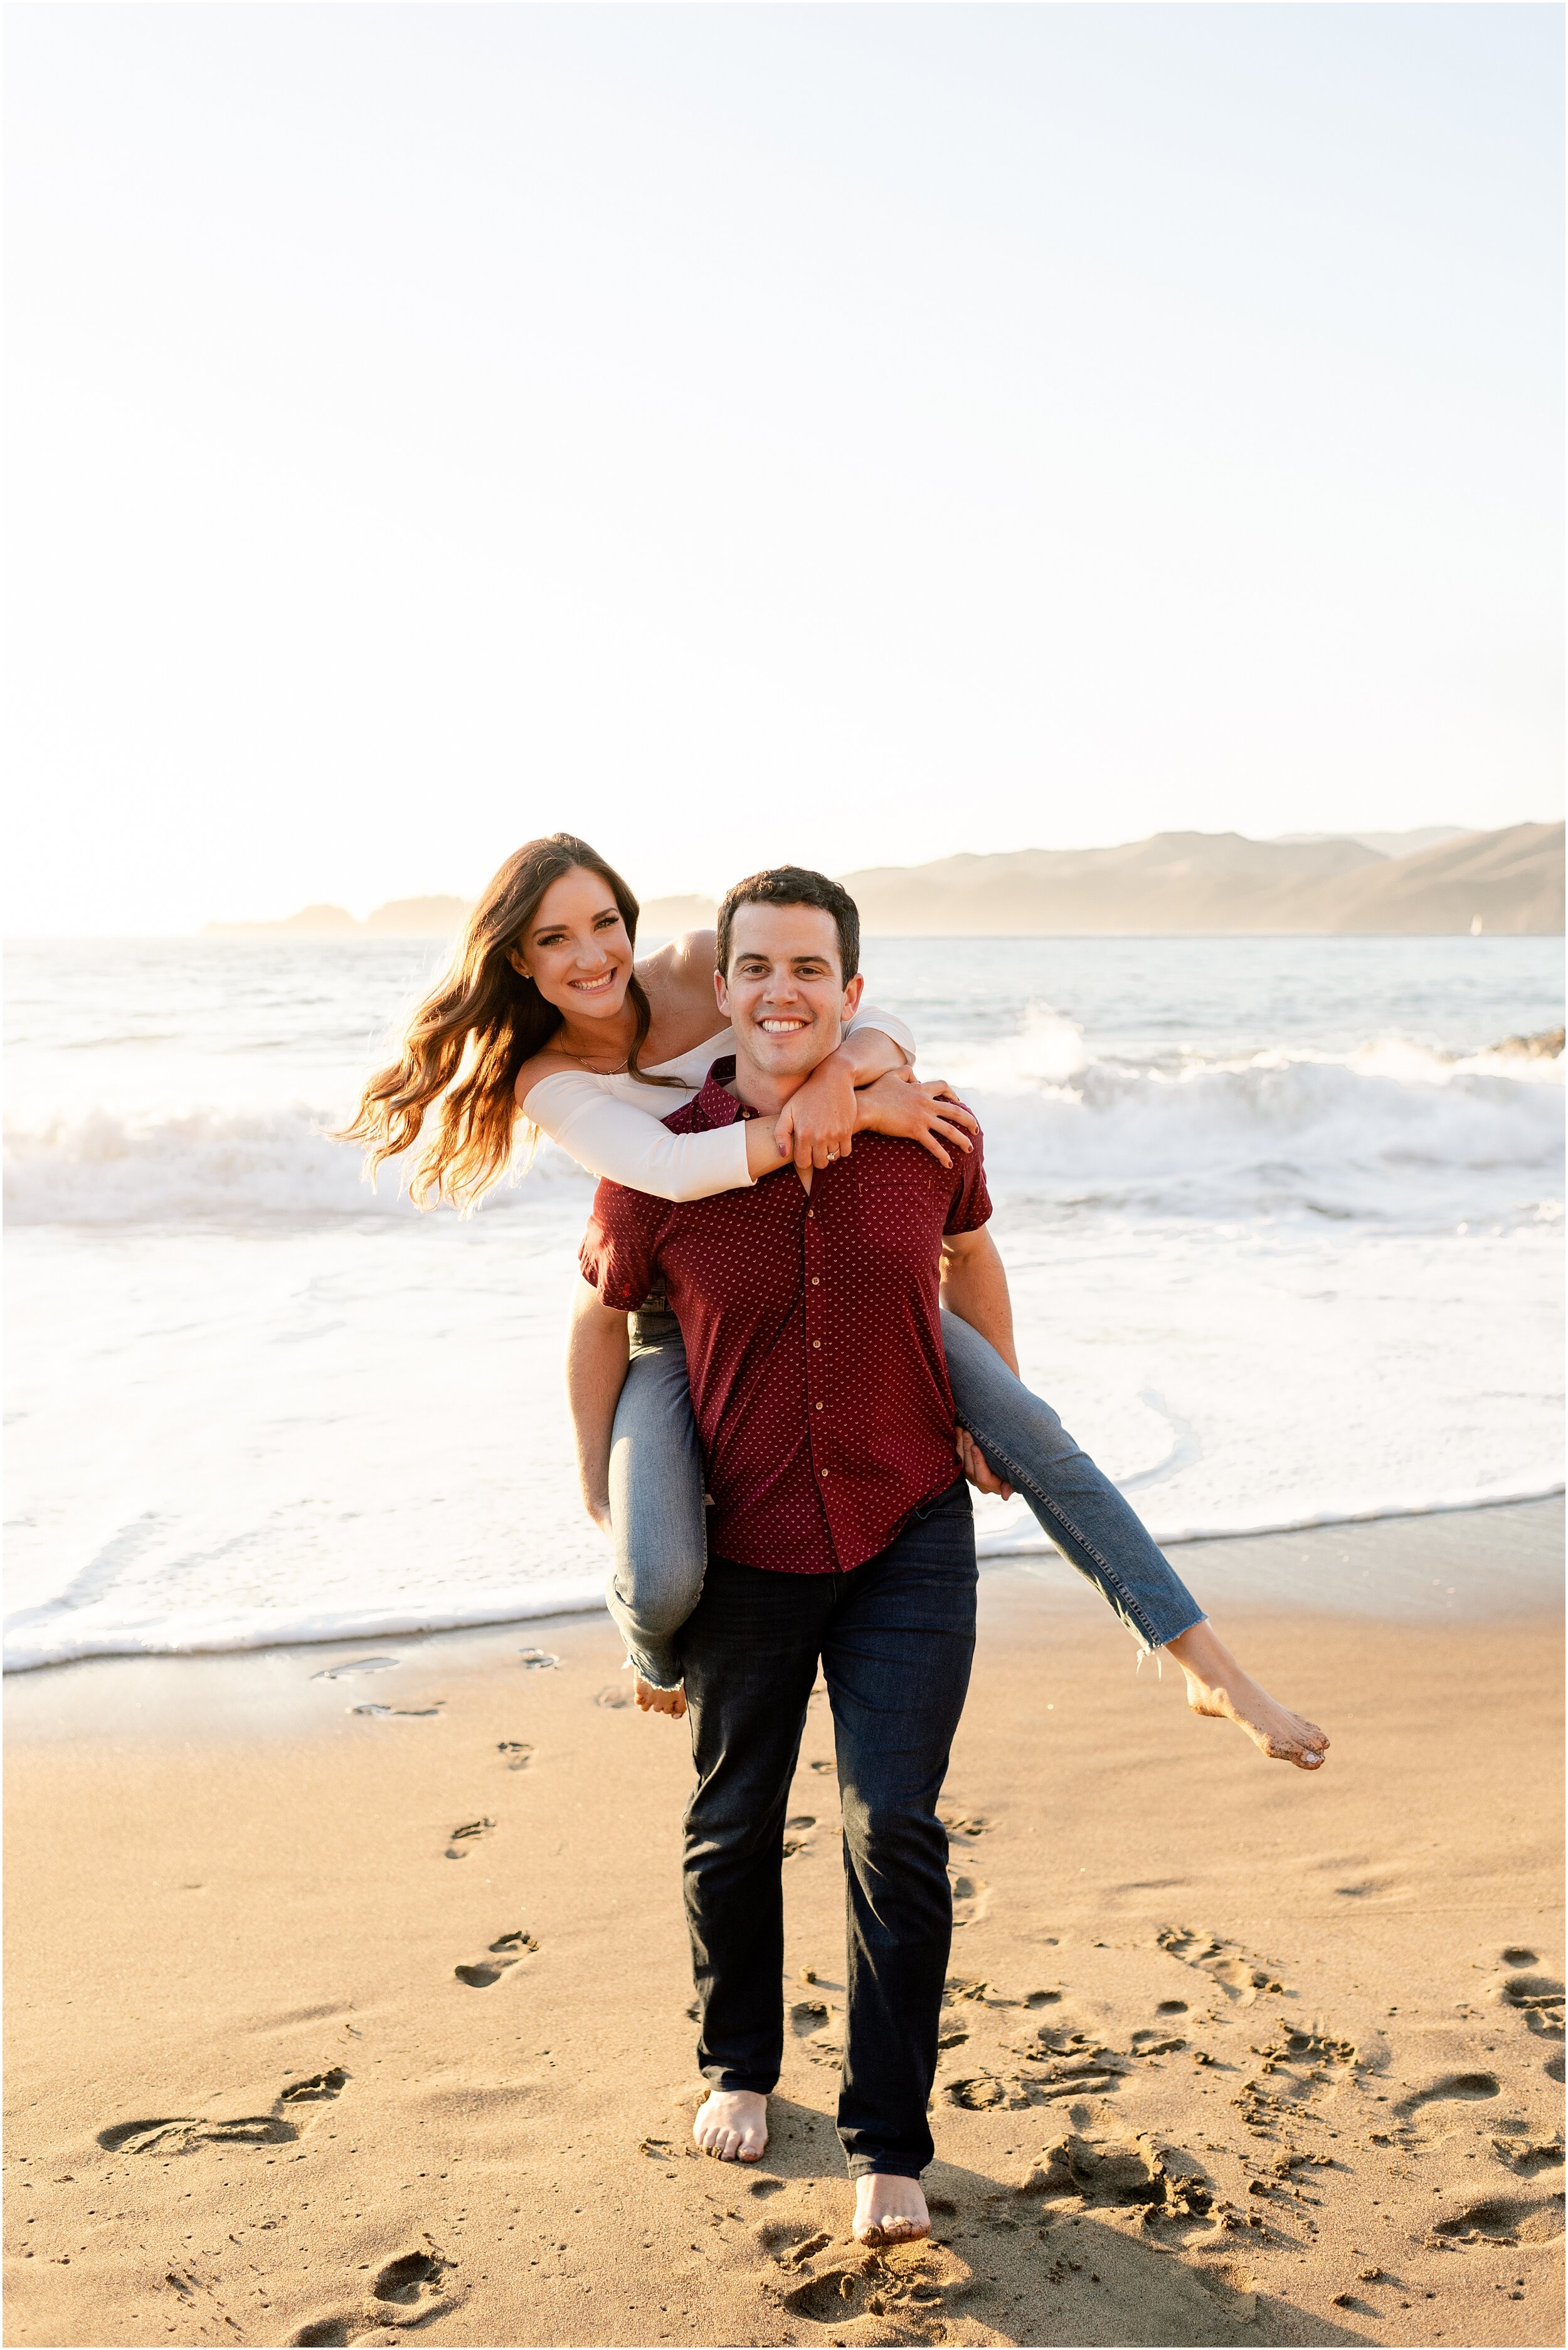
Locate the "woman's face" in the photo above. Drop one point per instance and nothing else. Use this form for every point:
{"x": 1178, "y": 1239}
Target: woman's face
{"x": 576, "y": 948}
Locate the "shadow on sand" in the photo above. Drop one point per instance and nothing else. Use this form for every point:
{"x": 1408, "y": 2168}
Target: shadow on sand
{"x": 1005, "y": 2263}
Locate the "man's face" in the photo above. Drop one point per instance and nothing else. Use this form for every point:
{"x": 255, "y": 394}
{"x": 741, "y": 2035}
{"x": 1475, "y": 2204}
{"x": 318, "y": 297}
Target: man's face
{"x": 782, "y": 991}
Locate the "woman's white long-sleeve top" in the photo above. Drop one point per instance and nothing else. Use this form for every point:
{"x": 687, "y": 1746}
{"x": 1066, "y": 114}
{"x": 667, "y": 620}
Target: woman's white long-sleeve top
{"x": 614, "y": 1126}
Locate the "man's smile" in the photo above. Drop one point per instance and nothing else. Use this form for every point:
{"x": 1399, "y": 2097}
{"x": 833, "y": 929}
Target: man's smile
{"x": 782, "y": 1027}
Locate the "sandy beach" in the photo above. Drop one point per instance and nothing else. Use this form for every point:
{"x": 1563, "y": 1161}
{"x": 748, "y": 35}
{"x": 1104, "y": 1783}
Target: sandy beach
{"x": 342, "y": 2009}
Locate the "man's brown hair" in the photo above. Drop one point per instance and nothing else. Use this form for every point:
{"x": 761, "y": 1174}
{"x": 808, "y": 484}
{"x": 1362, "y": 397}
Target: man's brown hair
{"x": 794, "y": 885}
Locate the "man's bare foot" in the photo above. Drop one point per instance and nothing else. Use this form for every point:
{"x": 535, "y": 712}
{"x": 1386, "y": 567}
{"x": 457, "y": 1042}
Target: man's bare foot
{"x": 1216, "y": 1684}
{"x": 651, "y": 1698}
{"x": 732, "y": 2123}
{"x": 889, "y": 2210}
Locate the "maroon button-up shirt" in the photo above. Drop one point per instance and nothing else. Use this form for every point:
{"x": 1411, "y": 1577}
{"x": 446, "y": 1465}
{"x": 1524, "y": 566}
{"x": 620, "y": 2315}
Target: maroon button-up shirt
{"x": 813, "y": 1337}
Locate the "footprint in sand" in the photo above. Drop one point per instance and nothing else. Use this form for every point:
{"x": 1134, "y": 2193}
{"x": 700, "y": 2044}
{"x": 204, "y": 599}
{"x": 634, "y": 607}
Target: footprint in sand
{"x": 790, "y": 2239}
{"x": 353, "y": 1665}
{"x": 1537, "y": 1998}
{"x": 971, "y": 1898}
{"x": 965, "y": 1826}
{"x": 411, "y": 2282}
{"x": 1240, "y": 1977}
{"x": 515, "y": 1753}
{"x": 1072, "y": 2066}
{"x": 171, "y": 2133}
{"x": 986, "y": 2093}
{"x": 537, "y": 1660}
{"x": 1295, "y": 2068}
{"x": 1167, "y": 2181}
{"x": 909, "y": 2285}
{"x": 412, "y": 2279}
{"x": 814, "y": 2025}
{"x": 400, "y": 1712}
{"x": 797, "y": 1834}
{"x": 615, "y": 1701}
{"x": 319, "y": 2089}
{"x": 504, "y": 1951}
{"x": 1518, "y": 2154}
{"x": 1463, "y": 2088}
{"x": 1154, "y": 2043}
{"x": 1501, "y": 2218}
{"x": 465, "y": 1837}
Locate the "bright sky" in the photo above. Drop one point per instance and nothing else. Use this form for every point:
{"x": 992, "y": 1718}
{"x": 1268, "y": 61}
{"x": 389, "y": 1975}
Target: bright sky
{"x": 845, "y": 433}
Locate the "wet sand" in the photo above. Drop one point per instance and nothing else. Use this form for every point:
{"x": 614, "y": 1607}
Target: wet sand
{"x": 333, "y": 2025}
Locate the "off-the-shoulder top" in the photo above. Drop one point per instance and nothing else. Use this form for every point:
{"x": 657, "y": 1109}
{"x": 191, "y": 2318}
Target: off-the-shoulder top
{"x": 614, "y": 1126}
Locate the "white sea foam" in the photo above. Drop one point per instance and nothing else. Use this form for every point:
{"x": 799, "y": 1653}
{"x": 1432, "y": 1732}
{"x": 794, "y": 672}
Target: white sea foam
{"x": 110, "y": 1166}
{"x": 1281, "y": 1228}
{"x": 1391, "y": 1133}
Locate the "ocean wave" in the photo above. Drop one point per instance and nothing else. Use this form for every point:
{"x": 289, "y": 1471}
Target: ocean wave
{"x": 106, "y": 1167}
{"x": 1392, "y": 1130}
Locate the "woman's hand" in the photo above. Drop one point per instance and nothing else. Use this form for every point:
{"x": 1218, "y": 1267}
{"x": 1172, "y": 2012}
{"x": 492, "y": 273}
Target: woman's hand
{"x": 817, "y": 1125}
{"x": 978, "y": 1469}
{"x": 927, "y": 1113}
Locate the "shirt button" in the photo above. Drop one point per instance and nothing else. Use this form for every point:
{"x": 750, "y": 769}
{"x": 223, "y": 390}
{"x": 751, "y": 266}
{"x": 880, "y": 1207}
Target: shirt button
{"x": 824, "y": 1472}
{"x": 820, "y": 1406}
{"x": 816, "y": 1281}
{"x": 817, "y": 1342}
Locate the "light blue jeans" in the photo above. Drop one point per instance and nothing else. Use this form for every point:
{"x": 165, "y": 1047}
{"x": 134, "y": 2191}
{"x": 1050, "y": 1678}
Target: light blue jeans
{"x": 656, "y": 1492}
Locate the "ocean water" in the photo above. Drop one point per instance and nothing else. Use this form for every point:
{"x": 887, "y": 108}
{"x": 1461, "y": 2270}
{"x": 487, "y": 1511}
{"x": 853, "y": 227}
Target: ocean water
{"x": 1280, "y": 1218}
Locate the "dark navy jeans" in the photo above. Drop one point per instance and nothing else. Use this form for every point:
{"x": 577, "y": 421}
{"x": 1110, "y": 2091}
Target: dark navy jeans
{"x": 895, "y": 1639}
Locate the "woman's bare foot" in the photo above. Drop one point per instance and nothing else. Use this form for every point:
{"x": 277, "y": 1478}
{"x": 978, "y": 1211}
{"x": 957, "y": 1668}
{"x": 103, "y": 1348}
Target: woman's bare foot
{"x": 651, "y": 1698}
{"x": 889, "y": 2210}
{"x": 732, "y": 2123}
{"x": 1216, "y": 1684}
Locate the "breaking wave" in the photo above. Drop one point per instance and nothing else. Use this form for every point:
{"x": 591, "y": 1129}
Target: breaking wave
{"x": 1392, "y": 1132}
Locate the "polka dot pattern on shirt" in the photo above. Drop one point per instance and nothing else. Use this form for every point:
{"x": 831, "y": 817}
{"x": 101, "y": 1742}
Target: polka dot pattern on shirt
{"x": 813, "y": 1336}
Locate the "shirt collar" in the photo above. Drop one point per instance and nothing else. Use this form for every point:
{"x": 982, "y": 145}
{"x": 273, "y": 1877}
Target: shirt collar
{"x": 713, "y": 1105}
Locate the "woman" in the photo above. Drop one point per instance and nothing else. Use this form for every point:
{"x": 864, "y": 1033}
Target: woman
{"x": 546, "y": 1019}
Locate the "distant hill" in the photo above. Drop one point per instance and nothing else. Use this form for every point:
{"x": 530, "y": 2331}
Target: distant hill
{"x": 1209, "y": 884}
{"x": 402, "y": 917}
{"x": 1390, "y": 844}
{"x": 1175, "y": 884}
{"x": 666, "y": 918}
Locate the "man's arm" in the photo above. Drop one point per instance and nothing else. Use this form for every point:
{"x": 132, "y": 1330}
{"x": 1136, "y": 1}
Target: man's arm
{"x": 598, "y": 1350}
{"x": 974, "y": 1287}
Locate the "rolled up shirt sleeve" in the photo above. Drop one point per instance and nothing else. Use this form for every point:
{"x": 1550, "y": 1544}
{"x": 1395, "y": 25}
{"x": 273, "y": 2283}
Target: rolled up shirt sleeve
{"x": 618, "y": 1256}
{"x": 970, "y": 1201}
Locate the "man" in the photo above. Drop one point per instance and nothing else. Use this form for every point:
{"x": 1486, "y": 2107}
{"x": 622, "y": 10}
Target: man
{"x": 840, "y": 1533}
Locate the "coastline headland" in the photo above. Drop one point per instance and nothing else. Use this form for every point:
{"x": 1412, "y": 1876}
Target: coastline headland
{"x": 1176, "y": 884}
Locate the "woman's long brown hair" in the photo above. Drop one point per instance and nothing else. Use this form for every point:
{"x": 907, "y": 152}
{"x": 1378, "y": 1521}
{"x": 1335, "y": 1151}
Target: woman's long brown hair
{"x": 467, "y": 1041}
